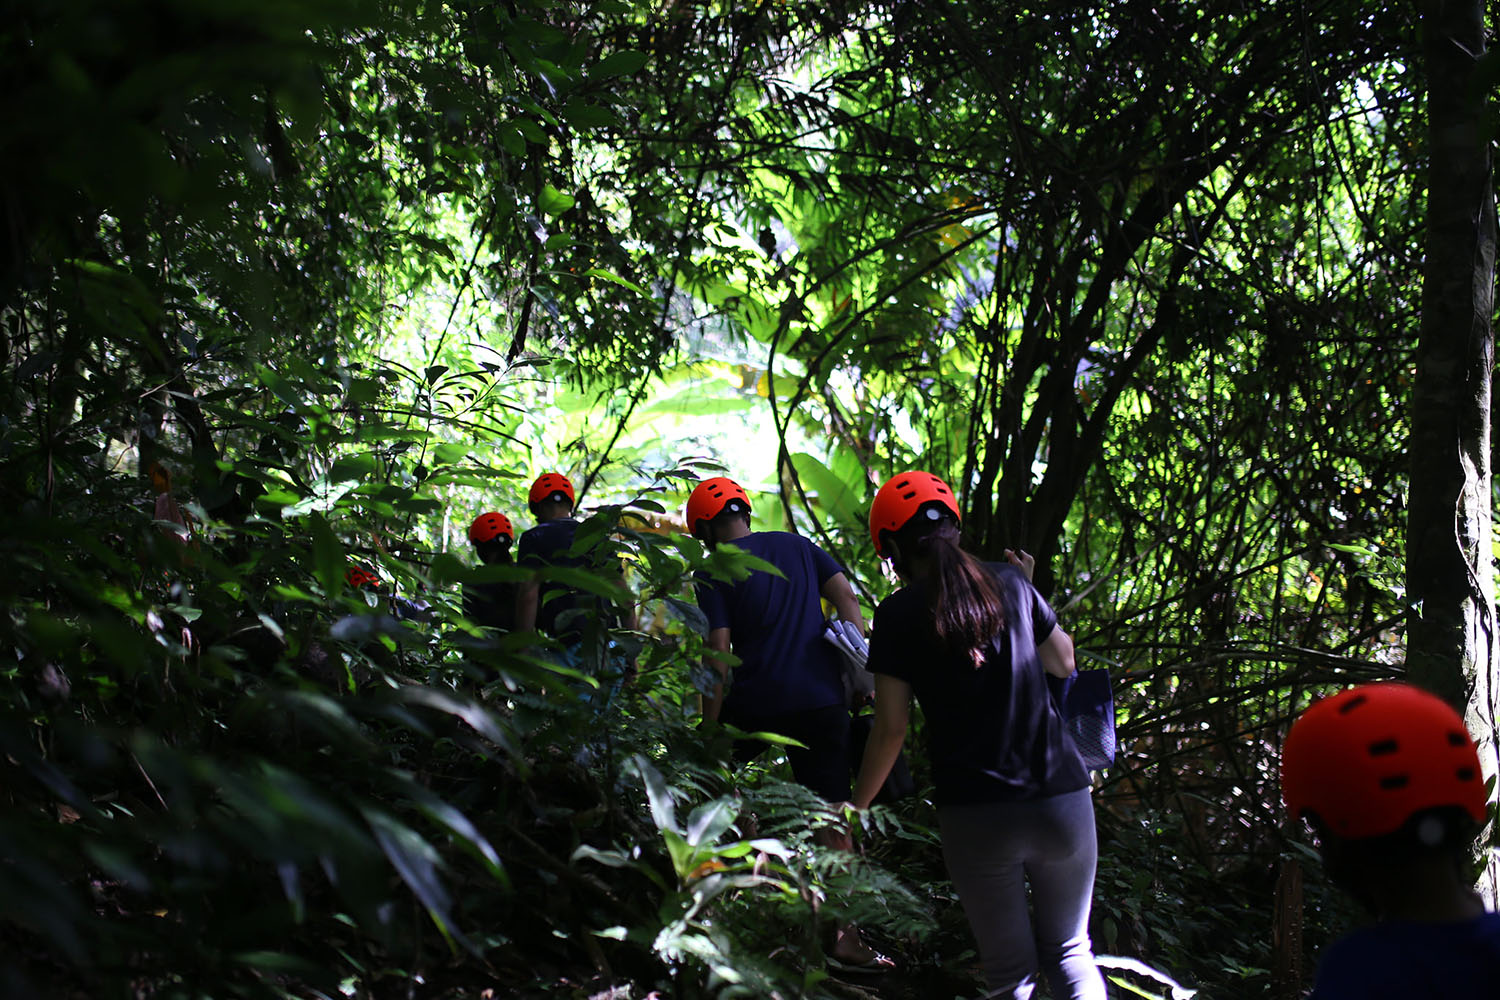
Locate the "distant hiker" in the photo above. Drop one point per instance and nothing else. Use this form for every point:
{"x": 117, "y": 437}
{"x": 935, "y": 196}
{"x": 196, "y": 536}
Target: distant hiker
{"x": 1390, "y": 783}
{"x": 320, "y": 659}
{"x": 577, "y": 620}
{"x": 165, "y": 509}
{"x": 491, "y": 604}
{"x": 789, "y": 680}
{"x": 361, "y": 577}
{"x": 971, "y": 641}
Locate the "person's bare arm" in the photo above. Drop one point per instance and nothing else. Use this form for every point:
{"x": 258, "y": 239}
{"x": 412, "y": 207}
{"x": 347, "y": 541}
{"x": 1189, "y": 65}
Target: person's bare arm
{"x": 892, "y": 713}
{"x": 837, "y": 591}
{"x": 1056, "y": 653}
{"x": 629, "y": 616}
{"x": 718, "y": 641}
{"x": 528, "y": 598}
{"x": 1022, "y": 560}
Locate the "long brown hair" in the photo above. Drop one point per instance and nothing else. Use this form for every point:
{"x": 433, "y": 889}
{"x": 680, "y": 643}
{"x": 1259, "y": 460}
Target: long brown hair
{"x": 967, "y": 612}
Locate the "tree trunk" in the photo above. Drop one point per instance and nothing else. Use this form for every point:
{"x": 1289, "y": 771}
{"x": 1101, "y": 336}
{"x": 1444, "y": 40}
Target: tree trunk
{"x": 1450, "y": 588}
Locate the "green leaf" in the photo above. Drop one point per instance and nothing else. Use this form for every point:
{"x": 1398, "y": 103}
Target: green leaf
{"x": 707, "y": 822}
{"x": 663, "y": 811}
{"x": 840, "y": 499}
{"x": 690, "y": 614}
{"x": 480, "y": 719}
{"x": 530, "y": 130}
{"x": 469, "y": 835}
{"x": 418, "y": 864}
{"x": 585, "y": 116}
{"x": 621, "y": 63}
{"x": 449, "y": 453}
{"x": 684, "y": 857}
{"x": 432, "y": 245}
{"x": 554, "y": 202}
{"x": 599, "y": 272}
{"x": 328, "y": 555}
{"x": 512, "y": 139}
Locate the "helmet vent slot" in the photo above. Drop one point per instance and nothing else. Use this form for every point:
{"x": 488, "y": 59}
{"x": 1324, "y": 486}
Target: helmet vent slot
{"x": 1457, "y": 739}
{"x": 1352, "y": 704}
{"x": 1464, "y": 774}
{"x": 1383, "y": 748}
{"x": 1395, "y": 782}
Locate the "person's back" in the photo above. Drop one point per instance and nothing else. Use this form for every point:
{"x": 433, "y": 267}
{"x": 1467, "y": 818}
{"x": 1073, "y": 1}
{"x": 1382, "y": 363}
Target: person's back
{"x": 550, "y": 543}
{"x": 776, "y": 624}
{"x": 993, "y": 733}
{"x": 563, "y": 612}
{"x": 789, "y": 678}
{"x": 972, "y": 643}
{"x": 1390, "y": 782}
{"x": 491, "y": 604}
{"x": 1414, "y": 960}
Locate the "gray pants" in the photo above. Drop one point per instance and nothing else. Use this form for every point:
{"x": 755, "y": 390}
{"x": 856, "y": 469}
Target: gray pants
{"x": 991, "y": 850}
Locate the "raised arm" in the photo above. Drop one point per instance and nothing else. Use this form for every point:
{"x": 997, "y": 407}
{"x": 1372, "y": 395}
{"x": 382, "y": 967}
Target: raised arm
{"x": 836, "y": 591}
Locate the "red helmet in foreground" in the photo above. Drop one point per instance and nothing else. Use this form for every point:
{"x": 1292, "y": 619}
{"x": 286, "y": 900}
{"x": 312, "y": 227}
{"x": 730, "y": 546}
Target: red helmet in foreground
{"x": 550, "y": 486}
{"x": 709, "y": 498}
{"x": 1366, "y": 760}
{"x": 490, "y": 526}
{"x": 900, "y": 500}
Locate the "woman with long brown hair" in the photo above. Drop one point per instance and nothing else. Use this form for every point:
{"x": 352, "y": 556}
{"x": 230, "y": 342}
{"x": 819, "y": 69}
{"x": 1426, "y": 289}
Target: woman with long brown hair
{"x": 973, "y": 641}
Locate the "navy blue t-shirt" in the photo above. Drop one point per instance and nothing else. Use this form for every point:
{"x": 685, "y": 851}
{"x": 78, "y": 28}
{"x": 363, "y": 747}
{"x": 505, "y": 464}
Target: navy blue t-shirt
{"x": 993, "y": 733}
{"x": 776, "y": 629}
{"x": 1414, "y": 961}
{"x": 549, "y": 544}
{"x": 491, "y": 605}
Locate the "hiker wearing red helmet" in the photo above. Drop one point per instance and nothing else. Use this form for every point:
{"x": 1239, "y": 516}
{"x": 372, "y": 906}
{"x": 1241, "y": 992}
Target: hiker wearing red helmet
{"x": 361, "y": 577}
{"x": 789, "y": 679}
{"x": 788, "y": 676}
{"x": 973, "y": 642}
{"x": 563, "y": 613}
{"x": 1390, "y": 783}
{"x": 491, "y": 604}
{"x": 547, "y": 544}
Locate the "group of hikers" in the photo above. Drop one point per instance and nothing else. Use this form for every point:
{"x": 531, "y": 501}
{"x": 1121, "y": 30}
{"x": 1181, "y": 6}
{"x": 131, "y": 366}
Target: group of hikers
{"x": 1384, "y": 775}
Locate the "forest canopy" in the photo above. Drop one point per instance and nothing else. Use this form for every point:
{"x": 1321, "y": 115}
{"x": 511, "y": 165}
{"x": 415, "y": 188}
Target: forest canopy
{"x": 290, "y": 286}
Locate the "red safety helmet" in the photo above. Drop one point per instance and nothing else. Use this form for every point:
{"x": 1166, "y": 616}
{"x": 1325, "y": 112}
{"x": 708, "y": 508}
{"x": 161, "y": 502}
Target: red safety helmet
{"x": 490, "y": 526}
{"x": 359, "y": 577}
{"x": 710, "y": 497}
{"x": 550, "y": 486}
{"x": 899, "y": 500}
{"x": 1366, "y": 760}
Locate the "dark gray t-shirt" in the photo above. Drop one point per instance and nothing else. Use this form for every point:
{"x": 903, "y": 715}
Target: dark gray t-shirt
{"x": 993, "y": 733}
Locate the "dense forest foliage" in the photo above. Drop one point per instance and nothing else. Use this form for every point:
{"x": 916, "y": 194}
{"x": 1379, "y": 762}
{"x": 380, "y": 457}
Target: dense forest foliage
{"x": 289, "y": 285}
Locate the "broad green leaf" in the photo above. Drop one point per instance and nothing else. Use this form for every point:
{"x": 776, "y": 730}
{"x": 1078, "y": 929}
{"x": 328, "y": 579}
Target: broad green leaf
{"x": 663, "y": 811}
{"x": 622, "y": 63}
{"x": 707, "y": 822}
{"x": 328, "y": 555}
{"x": 581, "y": 114}
{"x": 554, "y": 202}
{"x": 418, "y": 863}
{"x": 839, "y": 498}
